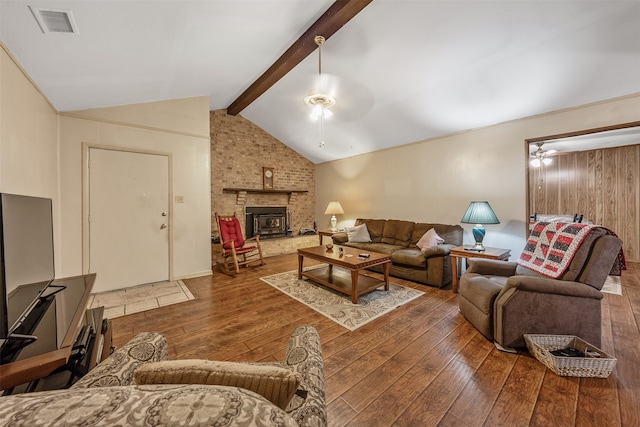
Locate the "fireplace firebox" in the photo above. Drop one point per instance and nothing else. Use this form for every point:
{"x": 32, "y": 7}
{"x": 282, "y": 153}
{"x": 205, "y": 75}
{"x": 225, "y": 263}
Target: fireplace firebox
{"x": 267, "y": 222}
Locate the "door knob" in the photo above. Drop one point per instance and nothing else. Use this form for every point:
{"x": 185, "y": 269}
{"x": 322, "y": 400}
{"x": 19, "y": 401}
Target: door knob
{"x": 163, "y": 226}
{"x": 164, "y": 214}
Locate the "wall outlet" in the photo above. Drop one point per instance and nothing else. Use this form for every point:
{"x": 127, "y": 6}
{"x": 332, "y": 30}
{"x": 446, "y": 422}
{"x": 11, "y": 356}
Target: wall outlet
{"x": 179, "y": 199}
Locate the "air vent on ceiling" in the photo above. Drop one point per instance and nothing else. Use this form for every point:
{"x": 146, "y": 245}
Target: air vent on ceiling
{"x": 54, "y": 21}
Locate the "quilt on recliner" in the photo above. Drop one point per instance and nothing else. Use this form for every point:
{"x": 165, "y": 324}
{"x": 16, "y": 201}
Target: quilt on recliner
{"x": 552, "y": 245}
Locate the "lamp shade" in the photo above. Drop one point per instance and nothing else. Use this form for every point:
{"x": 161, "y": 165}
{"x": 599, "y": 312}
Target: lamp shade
{"x": 479, "y": 213}
{"x": 334, "y": 208}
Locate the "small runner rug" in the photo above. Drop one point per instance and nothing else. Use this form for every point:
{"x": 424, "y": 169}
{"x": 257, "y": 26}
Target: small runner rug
{"x": 613, "y": 285}
{"x": 337, "y": 306}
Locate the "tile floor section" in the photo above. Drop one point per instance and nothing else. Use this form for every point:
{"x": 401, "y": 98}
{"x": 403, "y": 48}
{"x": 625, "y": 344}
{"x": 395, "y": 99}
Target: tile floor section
{"x": 140, "y": 298}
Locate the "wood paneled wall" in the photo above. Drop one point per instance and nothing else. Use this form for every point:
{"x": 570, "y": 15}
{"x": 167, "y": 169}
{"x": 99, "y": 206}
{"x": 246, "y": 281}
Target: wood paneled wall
{"x": 603, "y": 185}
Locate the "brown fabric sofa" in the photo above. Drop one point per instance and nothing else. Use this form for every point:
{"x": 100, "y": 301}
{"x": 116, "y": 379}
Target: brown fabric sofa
{"x": 504, "y": 300}
{"x": 109, "y": 396}
{"x": 398, "y": 238}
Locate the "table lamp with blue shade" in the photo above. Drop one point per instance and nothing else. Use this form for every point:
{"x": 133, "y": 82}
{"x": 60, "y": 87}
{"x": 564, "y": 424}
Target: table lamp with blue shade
{"x": 479, "y": 213}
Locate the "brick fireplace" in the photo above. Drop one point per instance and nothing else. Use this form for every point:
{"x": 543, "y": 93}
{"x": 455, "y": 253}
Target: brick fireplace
{"x": 239, "y": 151}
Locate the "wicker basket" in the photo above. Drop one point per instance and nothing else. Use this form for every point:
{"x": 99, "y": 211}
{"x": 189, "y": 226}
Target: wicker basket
{"x": 541, "y": 347}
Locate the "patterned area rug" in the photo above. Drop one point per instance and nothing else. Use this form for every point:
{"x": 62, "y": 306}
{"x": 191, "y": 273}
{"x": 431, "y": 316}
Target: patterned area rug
{"x": 337, "y": 306}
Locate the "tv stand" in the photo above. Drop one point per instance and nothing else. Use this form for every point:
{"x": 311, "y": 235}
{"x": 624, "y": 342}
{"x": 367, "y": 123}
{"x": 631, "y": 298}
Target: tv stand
{"x": 13, "y": 344}
{"x": 57, "y": 334}
{"x": 92, "y": 345}
{"x": 24, "y": 334}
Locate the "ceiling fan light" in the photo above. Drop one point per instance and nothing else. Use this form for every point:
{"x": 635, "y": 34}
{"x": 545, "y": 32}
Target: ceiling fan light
{"x": 535, "y": 162}
{"x": 547, "y": 161}
{"x": 316, "y": 111}
{"x": 318, "y": 101}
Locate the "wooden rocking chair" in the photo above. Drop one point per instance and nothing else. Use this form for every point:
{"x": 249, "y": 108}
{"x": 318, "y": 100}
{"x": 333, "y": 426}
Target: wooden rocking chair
{"x": 236, "y": 251}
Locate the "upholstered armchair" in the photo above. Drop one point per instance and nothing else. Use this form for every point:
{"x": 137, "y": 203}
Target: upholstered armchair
{"x": 505, "y": 300}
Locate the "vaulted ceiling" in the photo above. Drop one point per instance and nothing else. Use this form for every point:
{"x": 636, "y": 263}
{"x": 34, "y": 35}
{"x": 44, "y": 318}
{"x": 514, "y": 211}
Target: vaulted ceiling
{"x": 400, "y": 70}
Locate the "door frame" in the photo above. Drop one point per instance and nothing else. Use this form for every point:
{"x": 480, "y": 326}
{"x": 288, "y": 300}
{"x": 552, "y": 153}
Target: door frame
{"x": 86, "y": 147}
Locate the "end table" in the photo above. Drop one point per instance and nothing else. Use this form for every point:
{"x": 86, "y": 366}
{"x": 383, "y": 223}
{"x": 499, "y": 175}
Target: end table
{"x": 464, "y": 252}
{"x": 327, "y": 232}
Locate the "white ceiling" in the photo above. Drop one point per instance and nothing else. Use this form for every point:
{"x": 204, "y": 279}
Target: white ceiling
{"x": 591, "y": 141}
{"x": 401, "y": 71}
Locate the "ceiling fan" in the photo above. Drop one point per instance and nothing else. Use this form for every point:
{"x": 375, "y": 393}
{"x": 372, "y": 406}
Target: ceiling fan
{"x": 540, "y": 156}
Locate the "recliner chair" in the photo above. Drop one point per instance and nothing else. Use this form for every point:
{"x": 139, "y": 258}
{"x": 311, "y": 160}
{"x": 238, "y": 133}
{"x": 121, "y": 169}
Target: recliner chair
{"x": 505, "y": 300}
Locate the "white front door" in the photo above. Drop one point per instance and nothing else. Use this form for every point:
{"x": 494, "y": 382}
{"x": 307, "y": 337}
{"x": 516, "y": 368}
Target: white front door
{"x": 128, "y": 218}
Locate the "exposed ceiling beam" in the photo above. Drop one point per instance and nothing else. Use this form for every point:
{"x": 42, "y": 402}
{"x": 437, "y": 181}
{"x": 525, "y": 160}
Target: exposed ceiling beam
{"x": 331, "y": 21}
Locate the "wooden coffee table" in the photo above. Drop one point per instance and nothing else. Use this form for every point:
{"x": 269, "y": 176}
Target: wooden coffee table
{"x": 347, "y": 278}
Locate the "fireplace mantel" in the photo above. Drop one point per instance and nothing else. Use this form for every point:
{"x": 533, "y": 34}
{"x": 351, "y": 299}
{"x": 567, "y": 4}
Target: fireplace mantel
{"x": 241, "y": 193}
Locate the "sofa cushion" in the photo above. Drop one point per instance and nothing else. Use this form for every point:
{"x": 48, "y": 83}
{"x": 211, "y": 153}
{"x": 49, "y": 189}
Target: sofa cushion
{"x": 358, "y": 234}
{"x": 397, "y": 232}
{"x": 429, "y": 239}
{"x": 381, "y": 248}
{"x": 452, "y": 234}
{"x": 374, "y": 227}
{"x": 411, "y": 257}
{"x": 276, "y": 384}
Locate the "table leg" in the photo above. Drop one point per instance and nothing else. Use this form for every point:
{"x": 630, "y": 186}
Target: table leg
{"x": 300, "y": 260}
{"x": 320, "y": 237}
{"x": 354, "y": 286}
{"x": 387, "y": 267}
{"x": 454, "y": 274}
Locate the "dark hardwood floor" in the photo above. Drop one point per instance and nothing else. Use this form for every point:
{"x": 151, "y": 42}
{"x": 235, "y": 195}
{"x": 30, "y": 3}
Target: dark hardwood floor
{"x": 419, "y": 365}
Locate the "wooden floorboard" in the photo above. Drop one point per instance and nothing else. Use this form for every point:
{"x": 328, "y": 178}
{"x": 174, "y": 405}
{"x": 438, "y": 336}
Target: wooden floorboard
{"x": 422, "y": 364}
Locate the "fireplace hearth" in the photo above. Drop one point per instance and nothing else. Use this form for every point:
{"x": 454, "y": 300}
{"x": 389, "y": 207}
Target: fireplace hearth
{"x": 267, "y": 222}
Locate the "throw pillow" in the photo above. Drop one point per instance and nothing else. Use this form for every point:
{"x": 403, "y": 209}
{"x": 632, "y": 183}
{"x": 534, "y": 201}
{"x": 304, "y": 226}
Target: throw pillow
{"x": 276, "y": 384}
{"x": 429, "y": 239}
{"x": 358, "y": 234}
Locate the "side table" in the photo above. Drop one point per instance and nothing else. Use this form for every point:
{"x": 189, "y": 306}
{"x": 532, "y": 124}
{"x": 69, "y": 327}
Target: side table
{"x": 464, "y": 252}
{"x": 327, "y": 232}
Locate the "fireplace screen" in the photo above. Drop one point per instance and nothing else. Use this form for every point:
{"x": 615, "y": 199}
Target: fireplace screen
{"x": 268, "y": 224}
{"x": 267, "y": 221}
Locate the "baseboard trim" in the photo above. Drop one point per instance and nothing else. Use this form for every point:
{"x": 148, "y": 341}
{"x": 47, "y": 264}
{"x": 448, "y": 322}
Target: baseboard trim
{"x": 192, "y": 275}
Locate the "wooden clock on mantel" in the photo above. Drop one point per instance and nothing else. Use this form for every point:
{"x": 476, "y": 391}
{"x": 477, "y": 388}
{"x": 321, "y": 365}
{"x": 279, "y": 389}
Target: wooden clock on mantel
{"x": 267, "y": 178}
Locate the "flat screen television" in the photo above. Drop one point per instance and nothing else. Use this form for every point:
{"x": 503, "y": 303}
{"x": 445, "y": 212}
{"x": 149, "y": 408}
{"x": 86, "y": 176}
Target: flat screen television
{"x": 26, "y": 258}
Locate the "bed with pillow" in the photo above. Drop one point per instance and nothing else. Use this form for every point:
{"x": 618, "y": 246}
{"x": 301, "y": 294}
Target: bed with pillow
{"x": 419, "y": 251}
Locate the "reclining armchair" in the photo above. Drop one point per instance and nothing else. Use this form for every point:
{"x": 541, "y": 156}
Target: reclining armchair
{"x": 505, "y": 300}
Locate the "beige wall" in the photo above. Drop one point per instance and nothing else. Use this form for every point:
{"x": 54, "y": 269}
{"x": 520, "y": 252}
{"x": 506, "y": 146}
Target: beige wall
{"x": 179, "y": 127}
{"x": 41, "y": 155}
{"x": 28, "y": 140}
{"x": 434, "y": 180}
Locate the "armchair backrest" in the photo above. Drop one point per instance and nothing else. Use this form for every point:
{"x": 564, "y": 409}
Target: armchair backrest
{"x": 230, "y": 230}
{"x": 591, "y": 262}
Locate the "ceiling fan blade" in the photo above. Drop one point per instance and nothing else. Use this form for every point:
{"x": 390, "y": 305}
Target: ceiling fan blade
{"x": 353, "y": 99}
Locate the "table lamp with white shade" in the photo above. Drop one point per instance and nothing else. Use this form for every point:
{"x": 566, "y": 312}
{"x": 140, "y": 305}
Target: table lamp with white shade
{"x": 334, "y": 209}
